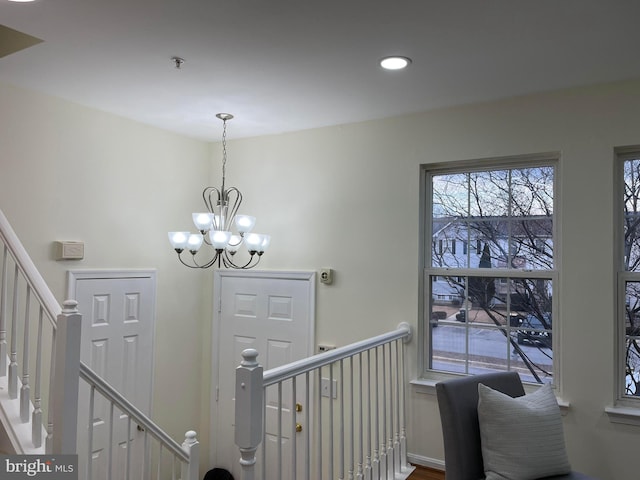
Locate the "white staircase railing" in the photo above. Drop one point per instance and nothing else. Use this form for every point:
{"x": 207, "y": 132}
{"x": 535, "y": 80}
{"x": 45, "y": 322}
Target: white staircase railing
{"x": 358, "y": 421}
{"x": 40, "y": 371}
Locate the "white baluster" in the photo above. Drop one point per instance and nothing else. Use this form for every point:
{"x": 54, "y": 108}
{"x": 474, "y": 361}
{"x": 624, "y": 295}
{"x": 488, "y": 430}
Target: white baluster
{"x": 384, "y": 472}
{"x": 320, "y": 424}
{"x": 13, "y": 358}
{"x": 110, "y": 446}
{"x": 307, "y": 422}
{"x": 368, "y": 467}
{"x": 36, "y": 416}
{"x": 294, "y": 443}
{"x": 341, "y": 439}
{"x": 390, "y": 456}
{"x": 352, "y": 426}
{"x": 360, "y": 472}
{"x": 396, "y": 443}
{"x": 25, "y": 390}
{"x": 52, "y": 369}
{"x": 89, "y": 472}
{"x": 279, "y": 455}
{"x": 375, "y": 464}
{"x": 3, "y": 315}
{"x": 249, "y": 411}
{"x": 331, "y": 435}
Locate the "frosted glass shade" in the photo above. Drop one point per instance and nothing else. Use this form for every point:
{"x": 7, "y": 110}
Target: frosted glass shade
{"x": 179, "y": 240}
{"x": 195, "y": 242}
{"x": 219, "y": 239}
{"x": 266, "y": 240}
{"x": 234, "y": 244}
{"x": 253, "y": 241}
{"x": 245, "y": 223}
{"x": 202, "y": 221}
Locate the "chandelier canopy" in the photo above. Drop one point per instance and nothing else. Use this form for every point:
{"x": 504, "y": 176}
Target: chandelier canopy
{"x": 214, "y": 226}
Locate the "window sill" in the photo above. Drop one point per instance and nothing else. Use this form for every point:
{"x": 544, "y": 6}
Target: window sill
{"x": 428, "y": 386}
{"x": 624, "y": 415}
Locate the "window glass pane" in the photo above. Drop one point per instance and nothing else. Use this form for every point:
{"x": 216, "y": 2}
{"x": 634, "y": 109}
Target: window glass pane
{"x": 632, "y": 339}
{"x": 489, "y": 193}
{"x": 509, "y": 210}
{"x": 532, "y": 191}
{"x": 449, "y": 232}
{"x": 450, "y": 196}
{"x": 492, "y": 324}
{"x": 632, "y": 215}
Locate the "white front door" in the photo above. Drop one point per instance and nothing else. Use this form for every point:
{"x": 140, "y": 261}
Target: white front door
{"x": 272, "y": 312}
{"x": 118, "y": 318}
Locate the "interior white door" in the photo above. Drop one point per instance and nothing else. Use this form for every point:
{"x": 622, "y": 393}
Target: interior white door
{"x": 118, "y": 318}
{"x": 272, "y": 312}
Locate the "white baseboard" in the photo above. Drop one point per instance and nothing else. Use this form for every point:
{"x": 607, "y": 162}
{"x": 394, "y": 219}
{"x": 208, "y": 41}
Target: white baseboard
{"x": 423, "y": 461}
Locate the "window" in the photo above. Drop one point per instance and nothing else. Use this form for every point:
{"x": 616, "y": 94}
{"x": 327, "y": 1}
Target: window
{"x": 629, "y": 274}
{"x": 495, "y": 302}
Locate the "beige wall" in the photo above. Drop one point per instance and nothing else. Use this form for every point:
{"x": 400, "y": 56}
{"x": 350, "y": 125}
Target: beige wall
{"x": 73, "y": 173}
{"x": 344, "y": 197}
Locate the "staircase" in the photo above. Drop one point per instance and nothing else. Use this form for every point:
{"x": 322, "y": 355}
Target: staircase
{"x": 41, "y": 372}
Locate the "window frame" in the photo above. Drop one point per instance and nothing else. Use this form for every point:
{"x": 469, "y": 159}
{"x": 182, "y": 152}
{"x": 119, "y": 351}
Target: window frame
{"x": 622, "y": 154}
{"x": 428, "y": 170}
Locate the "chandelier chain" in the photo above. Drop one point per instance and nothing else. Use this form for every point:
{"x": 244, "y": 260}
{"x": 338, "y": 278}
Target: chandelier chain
{"x": 224, "y": 151}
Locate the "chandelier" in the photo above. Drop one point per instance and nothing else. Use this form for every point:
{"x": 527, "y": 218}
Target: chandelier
{"x": 214, "y": 227}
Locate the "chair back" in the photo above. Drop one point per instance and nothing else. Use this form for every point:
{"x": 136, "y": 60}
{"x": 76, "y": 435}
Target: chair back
{"x": 458, "y": 403}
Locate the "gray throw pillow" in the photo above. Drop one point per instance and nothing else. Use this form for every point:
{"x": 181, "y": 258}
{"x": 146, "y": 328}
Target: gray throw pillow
{"x": 522, "y": 438}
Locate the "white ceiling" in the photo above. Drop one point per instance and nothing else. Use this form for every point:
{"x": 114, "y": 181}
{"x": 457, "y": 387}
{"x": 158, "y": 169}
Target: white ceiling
{"x": 285, "y": 65}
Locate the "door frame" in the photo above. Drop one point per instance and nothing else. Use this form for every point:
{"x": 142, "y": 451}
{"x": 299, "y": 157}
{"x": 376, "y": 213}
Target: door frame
{"x": 111, "y": 274}
{"x": 302, "y": 275}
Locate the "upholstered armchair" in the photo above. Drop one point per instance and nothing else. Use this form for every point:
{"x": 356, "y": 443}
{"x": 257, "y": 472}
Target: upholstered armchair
{"x": 458, "y": 403}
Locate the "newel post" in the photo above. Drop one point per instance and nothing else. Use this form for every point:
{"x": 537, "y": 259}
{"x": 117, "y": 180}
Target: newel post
{"x": 191, "y": 445}
{"x": 249, "y": 411}
{"x": 66, "y": 378}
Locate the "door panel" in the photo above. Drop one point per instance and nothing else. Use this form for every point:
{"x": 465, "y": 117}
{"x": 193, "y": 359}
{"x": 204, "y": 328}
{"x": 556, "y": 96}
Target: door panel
{"x": 117, "y": 343}
{"x": 274, "y": 314}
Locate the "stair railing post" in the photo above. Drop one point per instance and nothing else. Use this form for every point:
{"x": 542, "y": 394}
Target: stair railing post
{"x": 249, "y": 411}
{"x": 66, "y": 379}
{"x": 191, "y": 470}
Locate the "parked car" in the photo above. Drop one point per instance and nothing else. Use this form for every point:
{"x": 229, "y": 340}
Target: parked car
{"x": 532, "y": 330}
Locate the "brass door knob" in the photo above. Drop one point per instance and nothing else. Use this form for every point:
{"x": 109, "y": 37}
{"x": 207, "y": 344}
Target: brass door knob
{"x": 298, "y": 427}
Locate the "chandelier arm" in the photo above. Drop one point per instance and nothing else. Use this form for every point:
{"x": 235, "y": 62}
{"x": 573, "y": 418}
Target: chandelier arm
{"x": 228, "y": 262}
{"x": 236, "y": 203}
{"x": 209, "y": 263}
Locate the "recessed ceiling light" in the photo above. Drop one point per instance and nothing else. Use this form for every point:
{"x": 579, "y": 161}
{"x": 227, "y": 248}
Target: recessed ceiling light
{"x": 22, "y": 1}
{"x": 395, "y": 63}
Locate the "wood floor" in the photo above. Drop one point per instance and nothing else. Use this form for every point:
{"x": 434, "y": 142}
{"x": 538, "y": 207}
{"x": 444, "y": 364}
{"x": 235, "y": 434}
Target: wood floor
{"x": 425, "y": 473}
